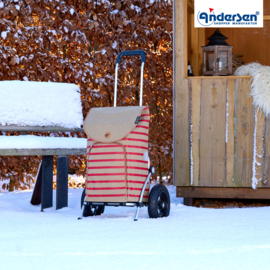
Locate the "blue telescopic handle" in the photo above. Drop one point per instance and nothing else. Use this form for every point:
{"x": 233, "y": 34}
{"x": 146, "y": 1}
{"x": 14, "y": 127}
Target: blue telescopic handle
{"x": 130, "y": 53}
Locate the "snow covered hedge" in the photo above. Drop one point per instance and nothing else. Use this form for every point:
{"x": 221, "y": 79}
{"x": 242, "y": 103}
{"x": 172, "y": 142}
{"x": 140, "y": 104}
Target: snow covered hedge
{"x": 77, "y": 42}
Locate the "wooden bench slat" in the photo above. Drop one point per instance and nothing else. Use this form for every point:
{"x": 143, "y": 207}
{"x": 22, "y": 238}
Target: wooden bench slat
{"x": 43, "y": 152}
{"x": 39, "y": 128}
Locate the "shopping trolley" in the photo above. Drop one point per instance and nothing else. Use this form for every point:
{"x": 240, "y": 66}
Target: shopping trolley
{"x": 118, "y": 168}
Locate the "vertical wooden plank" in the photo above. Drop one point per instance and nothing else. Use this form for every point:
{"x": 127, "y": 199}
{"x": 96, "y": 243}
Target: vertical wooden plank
{"x": 180, "y": 31}
{"x": 181, "y": 137}
{"x": 244, "y": 135}
{"x": 266, "y": 164}
{"x": 190, "y": 4}
{"x": 201, "y": 42}
{"x": 189, "y": 33}
{"x": 194, "y": 47}
{"x": 47, "y": 182}
{"x": 230, "y": 132}
{"x": 212, "y": 143}
{"x": 181, "y": 96}
{"x": 62, "y": 182}
{"x": 258, "y": 158}
{"x": 195, "y": 117}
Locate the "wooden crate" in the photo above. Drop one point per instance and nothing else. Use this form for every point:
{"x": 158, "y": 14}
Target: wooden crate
{"x": 219, "y": 144}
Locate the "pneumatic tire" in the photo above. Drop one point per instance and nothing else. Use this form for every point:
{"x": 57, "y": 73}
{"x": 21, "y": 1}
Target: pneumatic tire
{"x": 91, "y": 210}
{"x": 159, "y": 202}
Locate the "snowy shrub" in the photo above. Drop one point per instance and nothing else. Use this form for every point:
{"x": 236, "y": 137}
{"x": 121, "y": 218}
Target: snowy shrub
{"x": 78, "y": 42}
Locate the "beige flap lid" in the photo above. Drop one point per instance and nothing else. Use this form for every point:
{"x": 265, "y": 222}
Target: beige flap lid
{"x": 110, "y": 124}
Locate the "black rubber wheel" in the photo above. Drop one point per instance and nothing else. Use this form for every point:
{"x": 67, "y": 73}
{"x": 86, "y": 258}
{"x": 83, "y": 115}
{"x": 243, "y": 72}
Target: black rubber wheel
{"x": 91, "y": 210}
{"x": 159, "y": 202}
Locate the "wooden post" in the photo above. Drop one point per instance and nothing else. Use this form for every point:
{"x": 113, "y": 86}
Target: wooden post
{"x": 189, "y": 201}
{"x": 181, "y": 166}
{"x": 194, "y": 47}
{"x": 62, "y": 182}
{"x": 201, "y": 42}
{"x": 47, "y": 182}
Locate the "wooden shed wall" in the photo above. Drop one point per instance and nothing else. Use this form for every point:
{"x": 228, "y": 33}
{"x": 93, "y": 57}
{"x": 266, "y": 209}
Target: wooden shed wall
{"x": 226, "y": 135}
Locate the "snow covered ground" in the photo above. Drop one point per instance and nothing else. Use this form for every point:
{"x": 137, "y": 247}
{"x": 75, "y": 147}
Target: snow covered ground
{"x": 190, "y": 238}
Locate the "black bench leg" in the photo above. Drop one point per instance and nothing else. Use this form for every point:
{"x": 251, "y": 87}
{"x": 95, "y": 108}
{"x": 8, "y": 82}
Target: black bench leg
{"x": 36, "y": 195}
{"x": 47, "y": 182}
{"x": 62, "y": 182}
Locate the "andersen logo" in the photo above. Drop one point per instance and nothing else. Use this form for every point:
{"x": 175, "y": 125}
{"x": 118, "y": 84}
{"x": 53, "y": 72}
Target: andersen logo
{"x": 210, "y": 18}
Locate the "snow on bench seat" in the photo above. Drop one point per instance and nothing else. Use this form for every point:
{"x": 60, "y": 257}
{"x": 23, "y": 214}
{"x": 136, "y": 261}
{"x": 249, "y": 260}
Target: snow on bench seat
{"x": 32, "y": 141}
{"x": 37, "y": 145}
{"x": 25, "y": 103}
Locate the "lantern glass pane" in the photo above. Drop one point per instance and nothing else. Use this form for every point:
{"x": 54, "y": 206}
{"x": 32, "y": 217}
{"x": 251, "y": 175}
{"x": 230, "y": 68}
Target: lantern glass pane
{"x": 210, "y": 61}
{"x": 223, "y": 57}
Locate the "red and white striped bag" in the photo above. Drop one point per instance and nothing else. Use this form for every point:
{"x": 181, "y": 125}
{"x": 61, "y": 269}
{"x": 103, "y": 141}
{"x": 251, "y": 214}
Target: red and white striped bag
{"x": 117, "y": 153}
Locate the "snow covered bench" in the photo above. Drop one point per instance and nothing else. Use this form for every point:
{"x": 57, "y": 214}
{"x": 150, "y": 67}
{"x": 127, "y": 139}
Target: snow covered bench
{"x": 42, "y": 107}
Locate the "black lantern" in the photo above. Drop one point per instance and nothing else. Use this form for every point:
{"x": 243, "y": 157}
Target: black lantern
{"x": 217, "y": 56}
